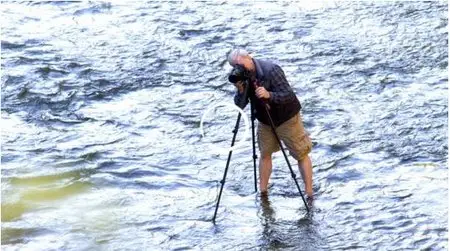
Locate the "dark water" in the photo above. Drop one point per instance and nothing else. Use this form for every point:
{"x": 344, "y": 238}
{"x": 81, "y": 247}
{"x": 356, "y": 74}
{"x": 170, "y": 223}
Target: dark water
{"x": 101, "y": 108}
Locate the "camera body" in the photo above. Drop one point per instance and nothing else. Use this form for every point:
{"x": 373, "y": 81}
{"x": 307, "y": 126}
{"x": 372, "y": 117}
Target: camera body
{"x": 239, "y": 73}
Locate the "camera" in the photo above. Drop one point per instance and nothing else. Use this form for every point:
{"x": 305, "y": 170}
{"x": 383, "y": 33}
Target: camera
{"x": 239, "y": 73}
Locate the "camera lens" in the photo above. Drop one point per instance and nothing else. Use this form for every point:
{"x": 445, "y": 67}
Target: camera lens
{"x": 239, "y": 73}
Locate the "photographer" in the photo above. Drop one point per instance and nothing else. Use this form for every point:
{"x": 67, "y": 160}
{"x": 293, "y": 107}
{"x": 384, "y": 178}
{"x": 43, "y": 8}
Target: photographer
{"x": 270, "y": 89}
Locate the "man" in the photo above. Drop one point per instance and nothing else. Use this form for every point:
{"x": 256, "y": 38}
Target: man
{"x": 272, "y": 89}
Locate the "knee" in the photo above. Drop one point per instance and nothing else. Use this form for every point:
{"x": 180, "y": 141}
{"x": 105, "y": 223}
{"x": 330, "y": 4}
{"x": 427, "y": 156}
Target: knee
{"x": 266, "y": 156}
{"x": 303, "y": 159}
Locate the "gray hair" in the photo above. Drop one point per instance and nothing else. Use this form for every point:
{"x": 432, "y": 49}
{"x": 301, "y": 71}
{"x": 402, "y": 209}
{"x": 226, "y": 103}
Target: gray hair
{"x": 236, "y": 53}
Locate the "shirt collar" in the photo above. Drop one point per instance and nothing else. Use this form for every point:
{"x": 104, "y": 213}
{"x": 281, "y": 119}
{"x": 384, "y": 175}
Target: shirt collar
{"x": 259, "y": 71}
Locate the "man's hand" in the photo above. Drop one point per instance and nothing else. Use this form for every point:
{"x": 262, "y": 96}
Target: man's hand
{"x": 261, "y": 92}
{"x": 240, "y": 86}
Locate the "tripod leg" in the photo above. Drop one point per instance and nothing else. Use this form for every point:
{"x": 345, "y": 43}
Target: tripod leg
{"x": 236, "y": 128}
{"x": 222, "y": 182}
{"x": 287, "y": 160}
{"x": 253, "y": 144}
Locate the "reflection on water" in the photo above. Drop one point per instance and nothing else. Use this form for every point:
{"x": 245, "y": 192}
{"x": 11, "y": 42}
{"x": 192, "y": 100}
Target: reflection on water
{"x": 290, "y": 231}
{"x": 268, "y": 222}
{"x": 101, "y": 106}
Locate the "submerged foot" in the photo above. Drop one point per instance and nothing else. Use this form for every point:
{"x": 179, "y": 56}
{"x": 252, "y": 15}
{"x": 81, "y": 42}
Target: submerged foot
{"x": 264, "y": 194}
{"x": 309, "y": 200}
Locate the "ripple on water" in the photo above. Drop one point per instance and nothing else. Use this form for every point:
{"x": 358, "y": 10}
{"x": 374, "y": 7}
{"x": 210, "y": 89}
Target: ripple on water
{"x": 34, "y": 197}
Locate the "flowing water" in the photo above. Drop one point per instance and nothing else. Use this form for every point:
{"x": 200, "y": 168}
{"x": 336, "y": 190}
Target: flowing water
{"x": 101, "y": 109}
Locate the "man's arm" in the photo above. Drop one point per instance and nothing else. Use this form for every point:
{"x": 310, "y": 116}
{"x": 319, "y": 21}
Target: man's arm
{"x": 281, "y": 92}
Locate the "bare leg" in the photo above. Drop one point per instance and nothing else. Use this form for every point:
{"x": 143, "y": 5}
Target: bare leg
{"x": 305, "y": 167}
{"x": 265, "y": 170}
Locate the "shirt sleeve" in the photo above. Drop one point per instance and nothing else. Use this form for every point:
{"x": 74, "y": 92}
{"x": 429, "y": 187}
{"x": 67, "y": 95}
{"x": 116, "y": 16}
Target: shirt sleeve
{"x": 280, "y": 91}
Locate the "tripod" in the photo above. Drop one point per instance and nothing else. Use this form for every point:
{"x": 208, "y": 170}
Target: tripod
{"x": 235, "y": 130}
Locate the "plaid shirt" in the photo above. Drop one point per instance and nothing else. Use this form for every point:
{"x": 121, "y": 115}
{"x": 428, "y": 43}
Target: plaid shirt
{"x": 278, "y": 87}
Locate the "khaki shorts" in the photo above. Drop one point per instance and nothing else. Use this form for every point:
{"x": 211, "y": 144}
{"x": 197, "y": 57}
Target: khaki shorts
{"x": 291, "y": 133}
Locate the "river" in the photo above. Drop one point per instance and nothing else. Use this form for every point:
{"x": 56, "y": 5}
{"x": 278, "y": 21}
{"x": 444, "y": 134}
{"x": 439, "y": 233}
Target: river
{"x": 101, "y": 105}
